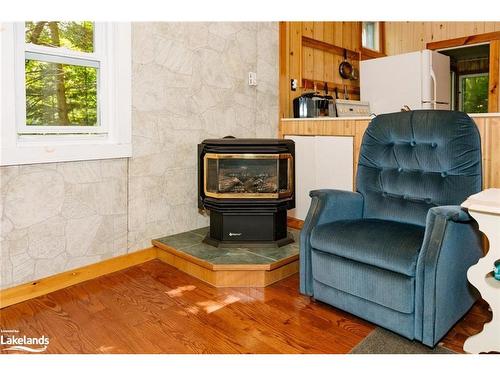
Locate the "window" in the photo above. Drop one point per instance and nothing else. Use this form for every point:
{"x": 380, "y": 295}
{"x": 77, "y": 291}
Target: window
{"x": 469, "y": 70}
{"x": 370, "y": 36}
{"x": 473, "y": 95}
{"x": 69, "y": 96}
{"x": 62, "y": 66}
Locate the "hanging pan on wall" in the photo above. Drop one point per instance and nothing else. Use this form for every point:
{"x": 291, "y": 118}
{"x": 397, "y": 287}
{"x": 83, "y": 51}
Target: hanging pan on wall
{"x": 345, "y": 67}
{"x": 354, "y": 74}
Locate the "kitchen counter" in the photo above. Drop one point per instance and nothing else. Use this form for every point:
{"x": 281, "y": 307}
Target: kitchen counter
{"x": 368, "y": 118}
{"x": 484, "y": 115}
{"x": 487, "y": 123}
{"x": 357, "y": 118}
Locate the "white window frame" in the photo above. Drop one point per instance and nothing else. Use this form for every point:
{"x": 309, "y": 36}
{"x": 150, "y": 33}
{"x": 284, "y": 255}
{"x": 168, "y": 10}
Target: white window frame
{"x": 111, "y": 138}
{"x": 376, "y": 36}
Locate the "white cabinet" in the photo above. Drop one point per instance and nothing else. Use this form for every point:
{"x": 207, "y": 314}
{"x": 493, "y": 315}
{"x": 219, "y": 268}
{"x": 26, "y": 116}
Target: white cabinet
{"x": 321, "y": 162}
{"x": 305, "y": 173}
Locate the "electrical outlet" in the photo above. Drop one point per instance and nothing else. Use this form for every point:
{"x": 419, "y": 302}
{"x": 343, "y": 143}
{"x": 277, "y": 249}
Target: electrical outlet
{"x": 252, "y": 79}
{"x": 293, "y": 84}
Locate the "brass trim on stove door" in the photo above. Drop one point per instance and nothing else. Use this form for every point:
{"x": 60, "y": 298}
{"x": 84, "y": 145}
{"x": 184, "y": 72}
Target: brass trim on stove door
{"x": 286, "y": 194}
{"x": 249, "y": 156}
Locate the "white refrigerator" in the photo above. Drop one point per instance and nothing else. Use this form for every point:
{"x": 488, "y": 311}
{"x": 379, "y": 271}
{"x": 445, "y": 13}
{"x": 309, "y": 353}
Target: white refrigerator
{"x": 419, "y": 80}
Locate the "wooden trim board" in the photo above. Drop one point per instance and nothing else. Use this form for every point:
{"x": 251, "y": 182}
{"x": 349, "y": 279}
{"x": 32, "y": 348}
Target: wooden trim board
{"x": 232, "y": 275}
{"x": 222, "y": 267}
{"x": 494, "y": 79}
{"x": 465, "y": 40}
{"x": 284, "y": 64}
{"x": 23, "y": 292}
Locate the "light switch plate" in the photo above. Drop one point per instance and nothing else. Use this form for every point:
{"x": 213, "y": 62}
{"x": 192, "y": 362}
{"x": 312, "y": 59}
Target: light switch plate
{"x": 252, "y": 79}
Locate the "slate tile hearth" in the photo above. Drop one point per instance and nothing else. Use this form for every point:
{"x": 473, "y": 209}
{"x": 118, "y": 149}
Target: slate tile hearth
{"x": 191, "y": 243}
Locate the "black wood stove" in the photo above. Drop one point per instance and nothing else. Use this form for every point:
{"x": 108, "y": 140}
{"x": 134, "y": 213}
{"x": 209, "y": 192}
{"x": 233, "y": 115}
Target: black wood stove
{"x": 248, "y": 186}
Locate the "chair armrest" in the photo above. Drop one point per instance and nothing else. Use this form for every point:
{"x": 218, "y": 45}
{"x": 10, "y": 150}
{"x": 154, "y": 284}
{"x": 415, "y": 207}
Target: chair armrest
{"x": 453, "y": 213}
{"x": 335, "y": 205}
{"x": 452, "y": 243}
{"x": 327, "y": 205}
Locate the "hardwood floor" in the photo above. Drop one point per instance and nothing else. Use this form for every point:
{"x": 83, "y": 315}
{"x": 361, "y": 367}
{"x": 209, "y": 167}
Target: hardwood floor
{"x": 154, "y": 308}
{"x": 469, "y": 325}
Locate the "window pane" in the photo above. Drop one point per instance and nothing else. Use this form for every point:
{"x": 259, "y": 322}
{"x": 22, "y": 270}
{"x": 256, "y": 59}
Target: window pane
{"x": 60, "y": 94}
{"x": 369, "y": 35}
{"x": 475, "y": 94}
{"x": 77, "y": 36}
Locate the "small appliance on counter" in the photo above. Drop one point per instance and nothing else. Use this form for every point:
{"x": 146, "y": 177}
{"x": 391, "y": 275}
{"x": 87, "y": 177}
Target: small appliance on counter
{"x": 312, "y": 104}
{"x": 352, "y": 108}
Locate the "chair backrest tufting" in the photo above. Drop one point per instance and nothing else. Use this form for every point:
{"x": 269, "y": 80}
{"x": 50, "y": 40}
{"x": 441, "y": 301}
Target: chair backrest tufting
{"x": 412, "y": 161}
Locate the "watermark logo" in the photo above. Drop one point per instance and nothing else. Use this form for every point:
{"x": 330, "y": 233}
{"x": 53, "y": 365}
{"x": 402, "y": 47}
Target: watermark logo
{"x": 12, "y": 341}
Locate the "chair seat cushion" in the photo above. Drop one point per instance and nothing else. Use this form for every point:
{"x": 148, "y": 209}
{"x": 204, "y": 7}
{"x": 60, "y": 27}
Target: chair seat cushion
{"x": 386, "y": 288}
{"x": 386, "y": 244}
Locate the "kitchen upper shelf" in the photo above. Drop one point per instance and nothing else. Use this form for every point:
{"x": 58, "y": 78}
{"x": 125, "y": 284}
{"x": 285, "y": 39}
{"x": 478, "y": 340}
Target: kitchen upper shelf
{"x": 327, "y": 47}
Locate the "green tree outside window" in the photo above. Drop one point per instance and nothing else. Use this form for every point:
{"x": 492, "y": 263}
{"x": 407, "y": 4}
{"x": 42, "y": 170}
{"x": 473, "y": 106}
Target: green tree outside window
{"x": 474, "y": 93}
{"x": 58, "y": 93}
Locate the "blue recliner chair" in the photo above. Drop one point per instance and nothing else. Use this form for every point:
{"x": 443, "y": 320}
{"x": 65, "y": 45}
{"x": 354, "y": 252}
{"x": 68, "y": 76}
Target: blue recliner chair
{"x": 396, "y": 252}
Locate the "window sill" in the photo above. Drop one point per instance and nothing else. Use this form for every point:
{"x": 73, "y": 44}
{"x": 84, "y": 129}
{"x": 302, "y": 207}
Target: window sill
{"x": 31, "y": 152}
{"x": 367, "y": 54}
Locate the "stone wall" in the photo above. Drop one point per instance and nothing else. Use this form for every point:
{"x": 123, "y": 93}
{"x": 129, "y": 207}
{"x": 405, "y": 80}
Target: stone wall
{"x": 189, "y": 82}
{"x": 61, "y": 216}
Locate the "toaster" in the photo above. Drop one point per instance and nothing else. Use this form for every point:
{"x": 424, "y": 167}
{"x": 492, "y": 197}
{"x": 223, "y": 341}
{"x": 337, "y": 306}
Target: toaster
{"x": 313, "y": 105}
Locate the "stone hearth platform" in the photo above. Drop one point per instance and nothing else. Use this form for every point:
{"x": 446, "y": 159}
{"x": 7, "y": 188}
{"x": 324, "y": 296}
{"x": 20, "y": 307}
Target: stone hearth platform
{"x": 229, "y": 267}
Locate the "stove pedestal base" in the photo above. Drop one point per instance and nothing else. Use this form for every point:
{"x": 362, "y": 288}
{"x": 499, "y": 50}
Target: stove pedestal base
{"x": 258, "y": 244}
{"x": 248, "y": 228}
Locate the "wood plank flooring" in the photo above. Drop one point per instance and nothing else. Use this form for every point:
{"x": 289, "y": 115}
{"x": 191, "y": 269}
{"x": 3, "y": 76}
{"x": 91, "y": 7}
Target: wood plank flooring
{"x": 154, "y": 308}
{"x": 471, "y": 324}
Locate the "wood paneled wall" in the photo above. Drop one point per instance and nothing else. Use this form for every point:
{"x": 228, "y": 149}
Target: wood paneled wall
{"x": 306, "y": 63}
{"x": 311, "y": 52}
{"x": 473, "y": 66}
{"x": 402, "y": 37}
{"x": 489, "y": 129}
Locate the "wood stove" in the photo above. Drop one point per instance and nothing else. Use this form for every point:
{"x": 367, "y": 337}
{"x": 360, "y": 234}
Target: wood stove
{"x": 248, "y": 186}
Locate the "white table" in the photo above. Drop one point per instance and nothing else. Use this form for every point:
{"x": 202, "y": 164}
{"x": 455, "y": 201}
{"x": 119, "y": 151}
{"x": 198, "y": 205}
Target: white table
{"x": 485, "y": 208}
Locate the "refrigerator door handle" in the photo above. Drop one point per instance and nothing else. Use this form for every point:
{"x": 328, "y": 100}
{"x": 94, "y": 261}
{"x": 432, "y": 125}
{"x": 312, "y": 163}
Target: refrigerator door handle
{"x": 434, "y": 89}
{"x": 433, "y": 102}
